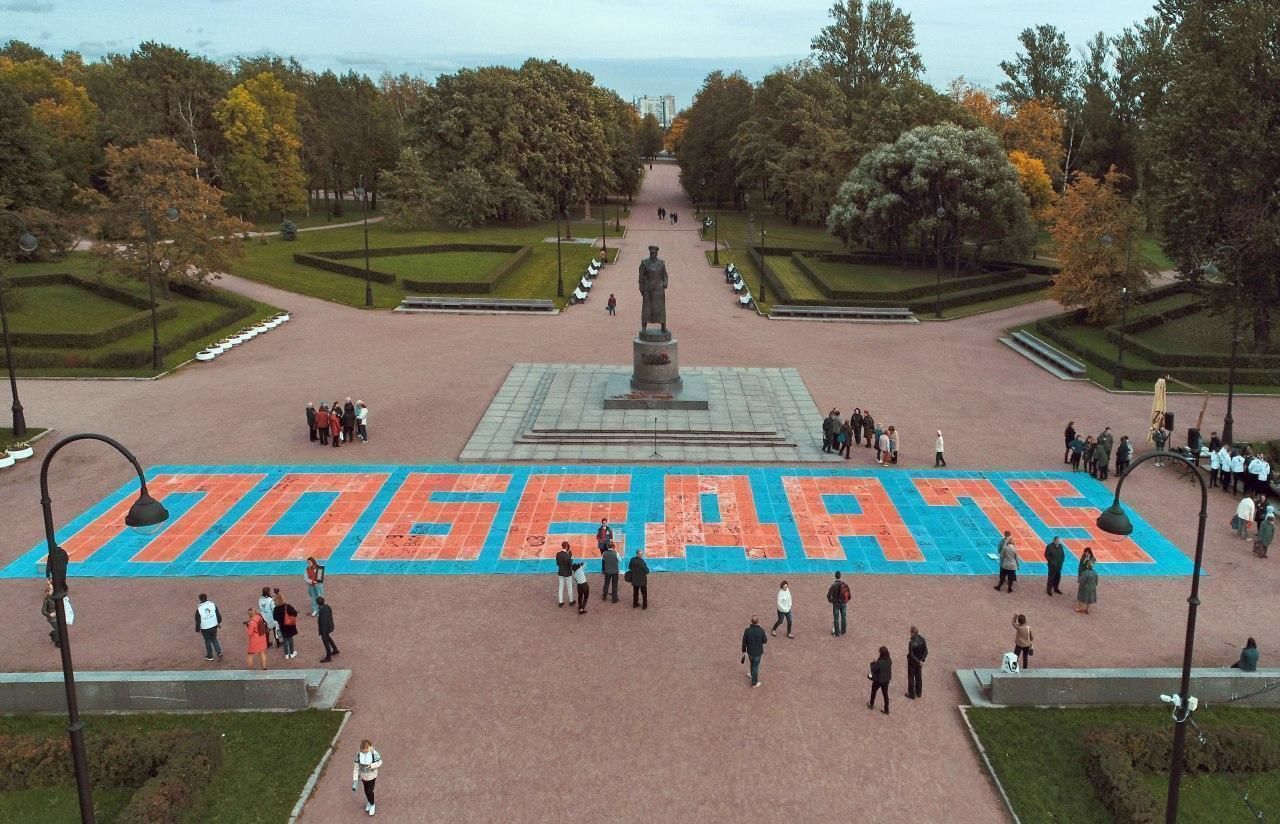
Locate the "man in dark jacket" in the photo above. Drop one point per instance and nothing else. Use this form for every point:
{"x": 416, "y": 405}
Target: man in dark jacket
{"x": 604, "y": 535}
{"x": 880, "y": 674}
{"x": 564, "y": 572}
{"x": 311, "y": 421}
{"x": 753, "y": 641}
{"x": 1054, "y": 557}
{"x": 868, "y": 428}
{"x": 838, "y": 596}
{"x": 639, "y": 572}
{"x": 324, "y": 623}
{"x": 829, "y": 426}
{"x": 1124, "y": 454}
{"x": 348, "y": 421}
{"x": 609, "y": 568}
{"x": 917, "y": 651}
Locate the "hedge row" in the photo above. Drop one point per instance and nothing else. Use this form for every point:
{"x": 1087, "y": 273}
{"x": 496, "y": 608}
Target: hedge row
{"x": 430, "y": 249}
{"x": 317, "y": 262}
{"x": 98, "y": 287}
{"x": 98, "y": 337}
{"x": 1115, "y": 757}
{"x": 1163, "y": 357}
{"x": 989, "y": 277}
{"x": 495, "y": 276}
{"x": 167, "y": 771}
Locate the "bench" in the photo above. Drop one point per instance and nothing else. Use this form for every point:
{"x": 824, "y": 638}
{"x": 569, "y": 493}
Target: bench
{"x": 738, "y": 286}
{"x": 422, "y": 304}
{"x": 578, "y": 296}
{"x": 731, "y": 273}
{"x": 593, "y": 269}
{"x": 586, "y": 284}
{"x": 745, "y": 300}
{"x": 173, "y": 691}
{"x": 1047, "y": 357}
{"x": 871, "y": 314}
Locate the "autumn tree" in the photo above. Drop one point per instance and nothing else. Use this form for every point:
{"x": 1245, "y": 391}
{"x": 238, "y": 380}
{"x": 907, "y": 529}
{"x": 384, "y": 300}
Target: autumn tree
{"x": 1095, "y": 228}
{"x": 1035, "y": 184}
{"x": 264, "y": 171}
{"x": 675, "y": 135}
{"x": 143, "y": 183}
{"x": 650, "y": 136}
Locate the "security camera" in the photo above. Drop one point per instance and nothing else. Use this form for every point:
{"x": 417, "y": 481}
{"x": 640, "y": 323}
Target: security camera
{"x": 1169, "y": 699}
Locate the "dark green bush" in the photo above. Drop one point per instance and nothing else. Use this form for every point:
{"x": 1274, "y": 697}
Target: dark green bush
{"x": 288, "y": 230}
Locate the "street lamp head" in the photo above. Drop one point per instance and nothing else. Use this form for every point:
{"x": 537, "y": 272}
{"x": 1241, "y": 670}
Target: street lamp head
{"x": 27, "y": 242}
{"x": 147, "y": 516}
{"x": 171, "y": 214}
{"x": 1106, "y": 240}
{"x": 359, "y": 193}
{"x": 941, "y": 212}
{"x": 1114, "y": 521}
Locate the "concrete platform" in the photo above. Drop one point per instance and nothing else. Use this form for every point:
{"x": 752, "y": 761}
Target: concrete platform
{"x": 203, "y": 690}
{"x": 1100, "y": 687}
{"x": 692, "y": 394}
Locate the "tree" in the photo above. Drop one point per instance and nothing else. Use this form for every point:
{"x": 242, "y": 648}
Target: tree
{"x": 414, "y": 195}
{"x": 891, "y": 199}
{"x": 650, "y": 136}
{"x": 1035, "y": 184}
{"x": 1094, "y": 228}
{"x": 1043, "y": 70}
{"x": 28, "y": 176}
{"x": 1138, "y": 87}
{"x": 1217, "y": 157}
{"x": 264, "y": 171}
{"x": 707, "y": 169}
{"x": 871, "y": 45}
{"x": 143, "y": 182}
{"x": 1035, "y": 129}
{"x": 675, "y": 135}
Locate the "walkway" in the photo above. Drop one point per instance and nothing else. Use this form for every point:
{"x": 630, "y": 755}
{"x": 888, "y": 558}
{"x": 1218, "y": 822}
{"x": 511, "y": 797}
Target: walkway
{"x": 489, "y": 703}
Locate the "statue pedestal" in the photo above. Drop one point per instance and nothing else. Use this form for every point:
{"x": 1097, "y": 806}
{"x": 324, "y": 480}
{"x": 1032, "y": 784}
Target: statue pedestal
{"x": 655, "y": 363}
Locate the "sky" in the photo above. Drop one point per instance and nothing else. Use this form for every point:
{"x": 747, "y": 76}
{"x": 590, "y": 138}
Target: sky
{"x": 634, "y": 48}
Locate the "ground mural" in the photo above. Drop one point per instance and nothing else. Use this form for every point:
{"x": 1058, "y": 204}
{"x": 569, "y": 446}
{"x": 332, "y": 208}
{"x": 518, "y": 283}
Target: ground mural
{"x": 482, "y": 519}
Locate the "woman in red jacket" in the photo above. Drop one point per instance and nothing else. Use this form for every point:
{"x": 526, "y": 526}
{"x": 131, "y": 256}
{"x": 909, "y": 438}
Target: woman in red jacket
{"x": 335, "y": 425}
{"x": 256, "y": 630}
{"x": 322, "y": 424}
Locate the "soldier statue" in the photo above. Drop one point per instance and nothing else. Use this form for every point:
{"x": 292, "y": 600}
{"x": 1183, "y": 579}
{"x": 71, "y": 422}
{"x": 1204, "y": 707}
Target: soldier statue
{"x": 653, "y": 291}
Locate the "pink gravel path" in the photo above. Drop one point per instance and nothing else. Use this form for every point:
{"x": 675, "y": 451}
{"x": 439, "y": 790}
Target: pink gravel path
{"x": 489, "y": 703}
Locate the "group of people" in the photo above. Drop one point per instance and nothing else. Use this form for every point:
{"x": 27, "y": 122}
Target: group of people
{"x": 839, "y": 437}
{"x": 1257, "y": 510}
{"x": 879, "y": 672}
{"x": 273, "y": 621}
{"x": 571, "y": 574}
{"x": 663, "y": 214}
{"x": 1055, "y": 555}
{"x": 1230, "y": 468}
{"x": 1095, "y": 452}
{"x": 338, "y": 422}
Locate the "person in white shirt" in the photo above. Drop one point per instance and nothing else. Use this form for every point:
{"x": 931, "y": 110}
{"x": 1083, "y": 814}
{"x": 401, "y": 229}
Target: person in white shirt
{"x": 1244, "y": 516}
{"x": 938, "y": 459}
{"x": 267, "y": 609}
{"x": 579, "y": 575}
{"x": 208, "y": 619}
{"x": 1214, "y": 466}
{"x": 1262, "y": 473}
{"x": 1251, "y": 483}
{"x": 365, "y": 771}
{"x": 362, "y": 421}
{"x": 1237, "y": 472}
{"x": 784, "y": 609}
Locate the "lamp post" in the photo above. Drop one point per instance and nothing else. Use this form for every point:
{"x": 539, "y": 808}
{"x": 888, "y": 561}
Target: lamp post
{"x": 147, "y": 515}
{"x": 1115, "y": 522}
{"x": 937, "y": 295}
{"x": 715, "y": 228}
{"x": 1212, "y": 271}
{"x": 604, "y": 229}
{"x": 27, "y": 243}
{"x": 363, "y": 194}
{"x": 559, "y": 259}
{"x": 763, "y": 262}
{"x": 617, "y": 217}
{"x": 171, "y": 215}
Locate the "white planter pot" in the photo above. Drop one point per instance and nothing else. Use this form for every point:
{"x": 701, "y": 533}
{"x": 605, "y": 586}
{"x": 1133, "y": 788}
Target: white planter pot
{"x": 219, "y": 349}
{"x": 21, "y": 454}
{"x": 284, "y": 318}
{"x": 206, "y": 356}
{"x": 6, "y": 460}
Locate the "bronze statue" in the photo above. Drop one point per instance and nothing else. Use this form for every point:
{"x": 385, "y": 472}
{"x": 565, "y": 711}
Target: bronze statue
{"x": 653, "y": 291}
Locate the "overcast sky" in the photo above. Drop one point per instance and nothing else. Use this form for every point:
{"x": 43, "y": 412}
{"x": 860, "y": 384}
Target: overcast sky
{"x": 632, "y": 47}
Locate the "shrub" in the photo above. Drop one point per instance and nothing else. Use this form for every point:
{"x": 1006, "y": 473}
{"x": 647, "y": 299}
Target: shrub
{"x": 288, "y": 230}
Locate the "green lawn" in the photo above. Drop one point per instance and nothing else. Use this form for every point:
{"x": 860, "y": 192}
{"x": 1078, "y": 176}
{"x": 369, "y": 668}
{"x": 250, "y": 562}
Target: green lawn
{"x": 797, "y": 284}
{"x": 57, "y": 804}
{"x": 272, "y": 262}
{"x": 6, "y": 438}
{"x": 455, "y": 266}
{"x": 1036, "y": 753}
{"x": 266, "y": 759}
{"x": 66, "y": 307}
{"x": 875, "y": 277}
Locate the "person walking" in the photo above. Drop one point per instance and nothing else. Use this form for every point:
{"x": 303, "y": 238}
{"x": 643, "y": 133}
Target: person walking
{"x": 1087, "y": 585}
{"x": 917, "y": 651}
{"x": 1054, "y": 555}
{"x": 365, "y": 771}
{"x": 753, "y": 641}
{"x": 314, "y": 576}
{"x": 322, "y": 424}
{"x": 838, "y": 595}
{"x": 335, "y": 426}
{"x": 311, "y": 421}
{"x": 784, "y": 609}
{"x": 257, "y": 634}
{"x": 1009, "y": 562}
{"x": 609, "y": 569}
{"x": 362, "y": 421}
{"x": 49, "y": 609}
{"x": 1248, "y": 661}
{"x": 579, "y": 574}
{"x": 1244, "y": 516}
{"x": 880, "y": 674}
{"x": 324, "y": 625}
{"x": 1069, "y": 436}
{"x": 638, "y": 577}
{"x": 1022, "y": 639}
{"x": 564, "y": 574}
{"x": 1266, "y": 534}
{"x": 287, "y": 619}
{"x": 612, "y": 306}
{"x": 266, "y": 608}
{"x": 1124, "y": 454}
{"x": 208, "y": 619}
{"x": 939, "y": 460}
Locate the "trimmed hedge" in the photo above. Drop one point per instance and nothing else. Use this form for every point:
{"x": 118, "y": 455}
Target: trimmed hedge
{"x": 989, "y": 275}
{"x": 1115, "y": 756}
{"x": 317, "y": 262}
{"x": 518, "y": 256}
{"x": 167, "y": 771}
{"x": 331, "y": 262}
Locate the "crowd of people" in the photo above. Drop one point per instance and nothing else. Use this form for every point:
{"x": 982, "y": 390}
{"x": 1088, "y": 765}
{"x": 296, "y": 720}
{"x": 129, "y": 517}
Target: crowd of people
{"x": 663, "y": 214}
{"x": 839, "y": 436}
{"x": 571, "y": 574}
{"x": 1054, "y": 558}
{"x": 338, "y": 422}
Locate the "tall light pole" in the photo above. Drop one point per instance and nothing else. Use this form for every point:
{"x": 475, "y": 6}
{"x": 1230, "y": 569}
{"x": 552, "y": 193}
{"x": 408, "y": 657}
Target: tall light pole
{"x": 147, "y": 515}
{"x": 559, "y": 259}
{"x": 368, "y": 284}
{"x": 1114, "y": 521}
{"x": 1212, "y": 271}
{"x": 763, "y": 262}
{"x": 604, "y": 228}
{"x": 937, "y": 297}
{"x": 27, "y": 243}
{"x": 171, "y": 215}
{"x": 715, "y": 227}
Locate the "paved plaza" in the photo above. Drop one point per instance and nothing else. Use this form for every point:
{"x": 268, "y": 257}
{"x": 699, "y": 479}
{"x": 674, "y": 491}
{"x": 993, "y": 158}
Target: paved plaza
{"x": 489, "y": 703}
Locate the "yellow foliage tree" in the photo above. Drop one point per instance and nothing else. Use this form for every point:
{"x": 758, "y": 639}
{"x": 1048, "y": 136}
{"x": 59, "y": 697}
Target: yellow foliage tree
{"x": 1035, "y": 184}
{"x": 1035, "y": 128}
{"x": 1095, "y": 229}
{"x": 259, "y": 119}
{"x": 675, "y": 132}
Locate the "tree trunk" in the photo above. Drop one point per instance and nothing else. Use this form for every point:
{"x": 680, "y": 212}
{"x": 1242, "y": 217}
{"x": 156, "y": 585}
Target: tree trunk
{"x": 328, "y": 213}
{"x": 586, "y": 210}
{"x": 1261, "y": 326}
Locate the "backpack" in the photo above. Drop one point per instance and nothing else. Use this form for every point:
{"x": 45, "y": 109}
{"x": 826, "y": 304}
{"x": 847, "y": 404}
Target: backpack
{"x": 838, "y": 593}
{"x": 845, "y": 595}
{"x": 290, "y": 617}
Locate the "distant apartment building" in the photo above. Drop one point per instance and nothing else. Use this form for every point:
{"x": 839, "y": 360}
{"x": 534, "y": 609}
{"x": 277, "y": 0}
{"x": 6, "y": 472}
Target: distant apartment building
{"x": 663, "y": 108}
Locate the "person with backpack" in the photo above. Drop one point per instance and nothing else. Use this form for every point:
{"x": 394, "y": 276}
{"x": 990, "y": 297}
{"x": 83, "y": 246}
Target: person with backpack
{"x": 287, "y": 619}
{"x": 208, "y": 619}
{"x": 880, "y": 674}
{"x": 256, "y": 631}
{"x": 917, "y": 651}
{"x": 838, "y": 596}
{"x": 365, "y": 771}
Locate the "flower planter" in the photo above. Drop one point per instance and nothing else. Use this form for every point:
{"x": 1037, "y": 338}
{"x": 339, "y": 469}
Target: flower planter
{"x": 6, "y": 460}
{"x": 206, "y": 355}
{"x": 21, "y": 454}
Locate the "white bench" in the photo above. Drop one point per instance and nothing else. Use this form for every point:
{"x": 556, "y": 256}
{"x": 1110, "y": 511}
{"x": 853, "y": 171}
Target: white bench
{"x": 745, "y": 300}
{"x": 579, "y": 296}
{"x": 585, "y": 284}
